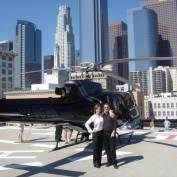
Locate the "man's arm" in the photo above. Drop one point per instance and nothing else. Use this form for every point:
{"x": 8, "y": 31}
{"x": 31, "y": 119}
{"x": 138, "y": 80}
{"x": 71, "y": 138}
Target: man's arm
{"x": 114, "y": 127}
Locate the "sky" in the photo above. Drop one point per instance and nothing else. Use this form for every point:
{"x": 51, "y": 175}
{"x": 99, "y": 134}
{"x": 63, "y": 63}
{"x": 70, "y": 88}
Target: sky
{"x": 43, "y": 13}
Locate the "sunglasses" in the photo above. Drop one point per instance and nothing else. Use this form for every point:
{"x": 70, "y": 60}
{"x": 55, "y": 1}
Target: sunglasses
{"x": 106, "y": 107}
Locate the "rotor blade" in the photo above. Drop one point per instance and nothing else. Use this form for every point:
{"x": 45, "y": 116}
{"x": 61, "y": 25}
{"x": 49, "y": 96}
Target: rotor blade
{"x": 125, "y": 60}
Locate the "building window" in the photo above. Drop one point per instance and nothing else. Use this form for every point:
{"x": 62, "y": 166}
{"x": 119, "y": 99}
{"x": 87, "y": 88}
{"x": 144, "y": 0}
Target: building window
{"x": 172, "y": 105}
{"x": 154, "y": 105}
{"x": 4, "y": 79}
{"x": 3, "y": 71}
{"x": 3, "y": 57}
{"x": 10, "y": 58}
{"x": 159, "y": 113}
{"x": 163, "y": 105}
{"x": 10, "y": 72}
{"x": 172, "y": 113}
{"x": 9, "y": 65}
{"x": 3, "y": 64}
{"x": 4, "y": 86}
{"x": 158, "y": 105}
{"x": 168, "y": 113}
{"x": 10, "y": 79}
{"x": 155, "y": 113}
{"x": 164, "y": 113}
{"x": 168, "y": 105}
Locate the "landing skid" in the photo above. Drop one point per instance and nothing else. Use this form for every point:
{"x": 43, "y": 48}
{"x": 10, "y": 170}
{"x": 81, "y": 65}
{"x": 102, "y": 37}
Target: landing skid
{"x": 120, "y": 134}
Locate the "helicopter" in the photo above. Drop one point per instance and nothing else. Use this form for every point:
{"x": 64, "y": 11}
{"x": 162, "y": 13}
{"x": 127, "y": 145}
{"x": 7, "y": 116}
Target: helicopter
{"x": 72, "y": 108}
{"x": 74, "y": 105}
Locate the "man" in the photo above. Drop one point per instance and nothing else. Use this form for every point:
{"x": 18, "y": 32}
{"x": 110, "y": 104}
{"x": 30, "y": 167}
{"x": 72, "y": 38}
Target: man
{"x": 109, "y": 137}
{"x": 167, "y": 124}
{"x": 58, "y": 132}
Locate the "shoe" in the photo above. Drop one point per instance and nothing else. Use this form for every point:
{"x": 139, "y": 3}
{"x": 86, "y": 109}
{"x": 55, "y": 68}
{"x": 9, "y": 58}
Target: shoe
{"x": 59, "y": 140}
{"x": 70, "y": 142}
{"x": 96, "y": 165}
{"x": 108, "y": 164}
{"x": 115, "y": 166}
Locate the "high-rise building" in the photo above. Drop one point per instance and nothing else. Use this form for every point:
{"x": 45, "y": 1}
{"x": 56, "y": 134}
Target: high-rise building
{"x": 64, "y": 50}
{"x": 77, "y": 58}
{"x": 93, "y": 31}
{"x": 7, "y": 71}
{"x": 142, "y": 37}
{"x": 153, "y": 81}
{"x": 118, "y": 47}
{"x": 48, "y": 63}
{"x": 172, "y": 79}
{"x": 6, "y": 45}
{"x": 166, "y": 11}
{"x": 141, "y": 78}
{"x": 27, "y": 47}
{"x": 158, "y": 81}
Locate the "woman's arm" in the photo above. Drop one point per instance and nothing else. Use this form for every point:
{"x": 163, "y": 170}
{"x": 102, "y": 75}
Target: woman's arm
{"x": 87, "y": 124}
{"x": 111, "y": 113}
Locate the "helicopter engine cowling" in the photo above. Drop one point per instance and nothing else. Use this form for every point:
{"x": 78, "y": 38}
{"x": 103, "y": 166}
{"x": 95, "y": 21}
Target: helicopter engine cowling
{"x": 63, "y": 91}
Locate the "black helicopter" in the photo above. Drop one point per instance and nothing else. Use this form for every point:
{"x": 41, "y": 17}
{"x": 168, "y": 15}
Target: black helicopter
{"x": 72, "y": 108}
{"x": 75, "y": 104}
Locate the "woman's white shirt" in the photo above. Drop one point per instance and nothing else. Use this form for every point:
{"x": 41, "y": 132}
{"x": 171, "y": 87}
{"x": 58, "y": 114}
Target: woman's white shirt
{"x": 97, "y": 121}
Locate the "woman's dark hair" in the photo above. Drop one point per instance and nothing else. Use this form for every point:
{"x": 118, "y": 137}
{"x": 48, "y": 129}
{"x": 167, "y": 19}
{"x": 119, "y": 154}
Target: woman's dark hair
{"x": 96, "y": 107}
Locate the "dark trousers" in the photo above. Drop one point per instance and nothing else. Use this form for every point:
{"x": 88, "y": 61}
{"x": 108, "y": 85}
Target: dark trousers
{"x": 58, "y": 132}
{"x": 97, "y": 146}
{"x": 110, "y": 147}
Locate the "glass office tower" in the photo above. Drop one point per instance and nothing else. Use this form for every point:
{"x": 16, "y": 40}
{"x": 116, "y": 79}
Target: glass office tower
{"x": 118, "y": 47}
{"x": 166, "y": 11}
{"x": 93, "y": 31}
{"x": 142, "y": 37}
{"x": 27, "y": 47}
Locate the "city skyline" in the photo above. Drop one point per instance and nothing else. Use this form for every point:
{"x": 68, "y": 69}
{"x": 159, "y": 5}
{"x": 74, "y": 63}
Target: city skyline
{"x": 43, "y": 13}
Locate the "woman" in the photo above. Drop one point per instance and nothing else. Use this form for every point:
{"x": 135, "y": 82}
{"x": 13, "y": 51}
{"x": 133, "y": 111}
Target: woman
{"x": 97, "y": 134}
{"x": 21, "y": 129}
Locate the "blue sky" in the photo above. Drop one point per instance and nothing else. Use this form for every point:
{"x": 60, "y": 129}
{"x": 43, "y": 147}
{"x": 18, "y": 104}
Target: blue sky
{"x": 43, "y": 13}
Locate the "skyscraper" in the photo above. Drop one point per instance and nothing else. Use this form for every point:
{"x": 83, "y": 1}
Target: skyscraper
{"x": 48, "y": 63}
{"x": 142, "y": 37}
{"x": 93, "y": 30}
{"x": 27, "y": 46}
{"x": 166, "y": 11}
{"x": 64, "y": 50}
{"x": 118, "y": 47}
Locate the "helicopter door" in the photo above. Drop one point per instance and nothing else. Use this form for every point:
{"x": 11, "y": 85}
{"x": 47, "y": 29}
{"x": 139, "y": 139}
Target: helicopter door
{"x": 131, "y": 105}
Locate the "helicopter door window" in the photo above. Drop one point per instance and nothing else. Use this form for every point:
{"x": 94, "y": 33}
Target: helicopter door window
{"x": 129, "y": 101}
{"x": 120, "y": 101}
